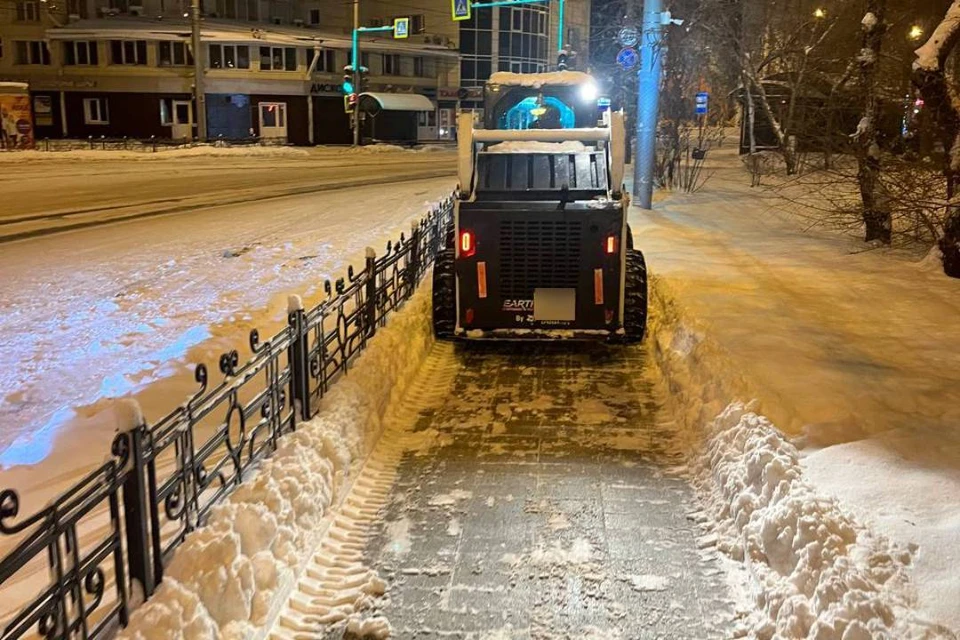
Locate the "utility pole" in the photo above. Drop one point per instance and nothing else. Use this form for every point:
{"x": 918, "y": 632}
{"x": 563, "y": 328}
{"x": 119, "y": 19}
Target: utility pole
{"x": 199, "y": 95}
{"x": 355, "y": 116}
{"x": 648, "y": 100}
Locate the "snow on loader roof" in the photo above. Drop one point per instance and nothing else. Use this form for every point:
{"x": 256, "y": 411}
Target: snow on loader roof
{"x": 537, "y": 80}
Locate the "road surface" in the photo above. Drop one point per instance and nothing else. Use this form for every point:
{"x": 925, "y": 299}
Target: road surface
{"x": 106, "y": 185}
{"x": 123, "y": 309}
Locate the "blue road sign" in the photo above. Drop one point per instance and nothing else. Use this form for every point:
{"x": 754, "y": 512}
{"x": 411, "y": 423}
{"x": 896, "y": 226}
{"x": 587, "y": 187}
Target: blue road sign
{"x": 460, "y": 9}
{"x": 401, "y": 27}
{"x": 628, "y": 58}
{"x": 703, "y": 99}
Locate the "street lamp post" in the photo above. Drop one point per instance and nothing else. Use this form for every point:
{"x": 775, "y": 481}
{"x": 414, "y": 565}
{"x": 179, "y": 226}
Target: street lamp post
{"x": 199, "y": 94}
{"x": 355, "y": 116}
{"x": 648, "y": 102}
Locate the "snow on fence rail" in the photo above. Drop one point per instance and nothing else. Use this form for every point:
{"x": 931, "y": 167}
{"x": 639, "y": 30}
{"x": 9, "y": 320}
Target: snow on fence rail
{"x": 80, "y": 564}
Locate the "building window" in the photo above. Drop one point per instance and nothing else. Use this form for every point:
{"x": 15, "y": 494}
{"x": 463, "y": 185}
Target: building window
{"x": 95, "y": 111}
{"x": 375, "y": 22}
{"x": 174, "y": 54}
{"x": 28, "y": 11}
{"x": 326, "y": 63}
{"x": 523, "y": 39}
{"x": 80, "y": 52}
{"x": 418, "y": 24}
{"x": 476, "y": 47}
{"x": 32, "y": 52}
{"x": 278, "y": 59}
{"x": 314, "y": 17}
{"x": 419, "y": 69}
{"x": 391, "y": 64}
{"x": 128, "y": 52}
{"x": 365, "y": 60}
{"x": 77, "y": 8}
{"x": 229, "y": 56}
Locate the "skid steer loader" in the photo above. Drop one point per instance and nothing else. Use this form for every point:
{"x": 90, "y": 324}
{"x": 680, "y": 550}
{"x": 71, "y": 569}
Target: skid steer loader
{"x": 539, "y": 245}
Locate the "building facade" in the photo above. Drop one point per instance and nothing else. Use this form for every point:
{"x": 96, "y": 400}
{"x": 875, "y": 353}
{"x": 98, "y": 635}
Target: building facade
{"x": 272, "y": 68}
{"x": 520, "y": 39}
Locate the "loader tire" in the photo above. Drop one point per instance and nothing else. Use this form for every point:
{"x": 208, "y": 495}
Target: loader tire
{"x": 635, "y": 298}
{"x": 444, "y": 295}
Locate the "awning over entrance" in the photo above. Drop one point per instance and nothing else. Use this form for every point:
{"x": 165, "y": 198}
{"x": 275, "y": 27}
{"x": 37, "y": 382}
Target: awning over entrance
{"x": 376, "y": 102}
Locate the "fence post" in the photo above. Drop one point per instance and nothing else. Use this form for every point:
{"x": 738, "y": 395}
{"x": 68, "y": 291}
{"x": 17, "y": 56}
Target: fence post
{"x": 371, "y": 310}
{"x": 413, "y": 274}
{"x": 298, "y": 356}
{"x": 135, "y": 512}
{"x": 90, "y": 139}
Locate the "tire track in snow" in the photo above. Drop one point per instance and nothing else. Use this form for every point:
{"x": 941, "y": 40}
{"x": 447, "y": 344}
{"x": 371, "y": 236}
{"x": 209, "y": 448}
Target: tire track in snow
{"x": 336, "y": 584}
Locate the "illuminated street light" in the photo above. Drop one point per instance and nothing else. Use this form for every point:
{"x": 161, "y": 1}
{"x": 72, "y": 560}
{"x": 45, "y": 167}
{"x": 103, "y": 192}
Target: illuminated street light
{"x": 820, "y": 13}
{"x": 916, "y": 32}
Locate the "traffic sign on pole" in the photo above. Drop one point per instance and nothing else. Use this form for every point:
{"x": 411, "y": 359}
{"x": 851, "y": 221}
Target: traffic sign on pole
{"x": 401, "y": 27}
{"x": 628, "y": 36}
{"x": 702, "y": 101}
{"x": 628, "y": 58}
{"x": 460, "y": 9}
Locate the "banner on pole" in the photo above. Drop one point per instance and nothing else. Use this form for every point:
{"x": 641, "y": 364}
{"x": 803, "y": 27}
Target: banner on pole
{"x": 460, "y": 9}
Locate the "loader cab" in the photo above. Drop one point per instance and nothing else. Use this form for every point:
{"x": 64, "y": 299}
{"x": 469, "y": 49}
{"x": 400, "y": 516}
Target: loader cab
{"x": 509, "y": 104}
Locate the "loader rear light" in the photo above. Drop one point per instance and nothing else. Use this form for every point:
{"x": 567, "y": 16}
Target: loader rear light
{"x": 610, "y": 245}
{"x": 468, "y": 243}
{"x": 468, "y": 316}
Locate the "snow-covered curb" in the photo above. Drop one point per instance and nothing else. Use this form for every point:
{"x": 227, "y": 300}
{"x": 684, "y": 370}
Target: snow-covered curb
{"x": 228, "y": 577}
{"x": 814, "y": 571}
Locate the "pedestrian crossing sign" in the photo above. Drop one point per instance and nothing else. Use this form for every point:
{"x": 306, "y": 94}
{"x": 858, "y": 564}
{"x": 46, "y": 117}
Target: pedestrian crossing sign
{"x": 401, "y": 27}
{"x": 461, "y": 9}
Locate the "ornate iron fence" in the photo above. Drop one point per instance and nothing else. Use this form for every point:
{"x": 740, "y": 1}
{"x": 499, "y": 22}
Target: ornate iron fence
{"x": 86, "y": 556}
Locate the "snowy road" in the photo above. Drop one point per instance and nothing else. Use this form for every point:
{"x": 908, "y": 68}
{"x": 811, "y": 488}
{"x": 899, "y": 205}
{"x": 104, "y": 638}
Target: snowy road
{"x": 79, "y": 189}
{"x": 124, "y": 309}
{"x": 523, "y": 491}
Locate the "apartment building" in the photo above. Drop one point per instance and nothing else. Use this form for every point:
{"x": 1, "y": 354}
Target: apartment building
{"x": 272, "y": 68}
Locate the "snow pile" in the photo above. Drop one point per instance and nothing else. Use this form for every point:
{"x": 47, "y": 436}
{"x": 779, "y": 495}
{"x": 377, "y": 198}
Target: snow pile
{"x": 533, "y": 146}
{"x": 537, "y": 80}
{"x": 816, "y": 573}
{"x": 162, "y": 153}
{"x": 228, "y": 577}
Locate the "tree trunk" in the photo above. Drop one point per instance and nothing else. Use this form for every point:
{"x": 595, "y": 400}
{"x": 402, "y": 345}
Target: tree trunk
{"x": 876, "y": 207}
{"x": 929, "y": 78}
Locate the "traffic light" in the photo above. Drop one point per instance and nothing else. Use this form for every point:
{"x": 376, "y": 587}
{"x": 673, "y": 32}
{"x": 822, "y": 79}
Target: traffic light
{"x": 350, "y": 103}
{"x": 362, "y": 79}
{"x": 562, "y": 60}
{"x": 348, "y": 80}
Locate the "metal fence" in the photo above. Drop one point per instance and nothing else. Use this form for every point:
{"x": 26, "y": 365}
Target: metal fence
{"x": 103, "y": 544}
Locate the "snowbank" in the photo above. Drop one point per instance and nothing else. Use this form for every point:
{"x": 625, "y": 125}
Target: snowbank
{"x": 815, "y": 571}
{"x": 228, "y": 577}
{"x": 146, "y": 154}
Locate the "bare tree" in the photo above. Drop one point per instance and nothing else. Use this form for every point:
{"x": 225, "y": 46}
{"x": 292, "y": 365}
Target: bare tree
{"x": 940, "y": 98}
{"x": 876, "y": 207}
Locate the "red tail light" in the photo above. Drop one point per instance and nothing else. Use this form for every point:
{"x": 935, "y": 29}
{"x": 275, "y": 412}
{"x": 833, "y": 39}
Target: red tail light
{"x": 468, "y": 244}
{"x": 610, "y": 246}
